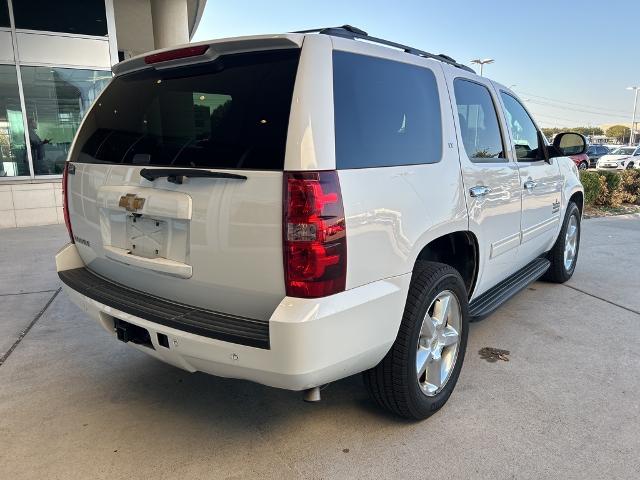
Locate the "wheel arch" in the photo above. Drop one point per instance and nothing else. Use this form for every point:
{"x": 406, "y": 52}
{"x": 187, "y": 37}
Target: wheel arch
{"x": 457, "y": 249}
{"x": 578, "y": 198}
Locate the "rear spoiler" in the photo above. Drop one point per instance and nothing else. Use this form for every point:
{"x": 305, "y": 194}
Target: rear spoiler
{"x": 195, "y": 53}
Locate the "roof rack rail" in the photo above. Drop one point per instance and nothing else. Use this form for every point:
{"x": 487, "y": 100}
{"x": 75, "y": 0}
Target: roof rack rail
{"x": 353, "y": 33}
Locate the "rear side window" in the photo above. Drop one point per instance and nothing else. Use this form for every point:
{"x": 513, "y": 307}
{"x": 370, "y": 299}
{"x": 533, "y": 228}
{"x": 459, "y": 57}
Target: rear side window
{"x": 231, "y": 113}
{"x": 478, "y": 120}
{"x": 386, "y": 113}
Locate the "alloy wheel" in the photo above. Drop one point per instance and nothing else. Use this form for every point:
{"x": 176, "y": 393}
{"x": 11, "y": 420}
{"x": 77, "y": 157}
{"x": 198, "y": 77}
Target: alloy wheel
{"x": 438, "y": 343}
{"x": 571, "y": 243}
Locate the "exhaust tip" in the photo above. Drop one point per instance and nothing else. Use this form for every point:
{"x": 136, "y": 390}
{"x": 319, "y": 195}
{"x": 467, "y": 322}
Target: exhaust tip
{"x": 312, "y": 395}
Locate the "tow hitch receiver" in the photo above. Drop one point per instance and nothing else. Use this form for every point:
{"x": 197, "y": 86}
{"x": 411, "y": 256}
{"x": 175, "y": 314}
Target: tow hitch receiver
{"x": 127, "y": 332}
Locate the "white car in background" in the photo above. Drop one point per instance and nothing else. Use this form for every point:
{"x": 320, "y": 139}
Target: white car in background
{"x": 620, "y": 159}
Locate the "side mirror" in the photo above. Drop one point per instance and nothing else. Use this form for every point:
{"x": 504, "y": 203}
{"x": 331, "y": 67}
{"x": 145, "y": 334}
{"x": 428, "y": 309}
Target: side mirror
{"x": 567, "y": 144}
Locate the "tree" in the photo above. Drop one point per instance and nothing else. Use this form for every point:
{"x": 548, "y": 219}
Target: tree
{"x": 550, "y": 132}
{"x": 588, "y": 131}
{"x": 619, "y": 132}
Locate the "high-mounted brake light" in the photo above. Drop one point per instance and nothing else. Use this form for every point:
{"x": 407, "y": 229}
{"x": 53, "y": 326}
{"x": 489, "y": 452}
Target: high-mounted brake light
{"x": 176, "y": 54}
{"x": 65, "y": 199}
{"x": 315, "y": 240}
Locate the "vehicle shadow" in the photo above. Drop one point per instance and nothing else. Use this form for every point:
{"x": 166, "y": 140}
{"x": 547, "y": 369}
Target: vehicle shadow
{"x": 150, "y": 388}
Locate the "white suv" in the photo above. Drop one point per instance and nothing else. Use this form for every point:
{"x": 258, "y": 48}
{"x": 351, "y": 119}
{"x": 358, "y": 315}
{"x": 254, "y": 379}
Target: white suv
{"x": 293, "y": 209}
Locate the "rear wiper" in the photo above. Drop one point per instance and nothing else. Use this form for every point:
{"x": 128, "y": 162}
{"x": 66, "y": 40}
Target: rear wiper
{"x": 177, "y": 175}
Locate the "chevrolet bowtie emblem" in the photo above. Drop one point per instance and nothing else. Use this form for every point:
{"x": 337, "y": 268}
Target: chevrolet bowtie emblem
{"x": 131, "y": 202}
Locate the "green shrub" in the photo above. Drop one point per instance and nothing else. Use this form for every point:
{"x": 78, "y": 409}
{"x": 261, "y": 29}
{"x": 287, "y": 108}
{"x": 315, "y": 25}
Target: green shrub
{"x": 591, "y": 183}
{"x": 612, "y": 178}
{"x": 630, "y": 186}
{"x": 603, "y": 192}
{"x": 610, "y": 194}
{"x": 611, "y": 189}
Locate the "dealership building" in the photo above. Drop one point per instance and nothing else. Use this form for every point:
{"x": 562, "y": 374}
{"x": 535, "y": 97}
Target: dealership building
{"x": 55, "y": 58}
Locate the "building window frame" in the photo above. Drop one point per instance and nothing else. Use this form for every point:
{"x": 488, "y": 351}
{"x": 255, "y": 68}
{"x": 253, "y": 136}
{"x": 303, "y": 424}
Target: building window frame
{"x": 61, "y": 34}
{"x": 32, "y": 177}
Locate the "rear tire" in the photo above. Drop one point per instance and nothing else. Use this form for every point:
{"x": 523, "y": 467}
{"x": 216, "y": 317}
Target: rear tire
{"x": 564, "y": 254}
{"x": 583, "y": 166}
{"x": 419, "y": 373}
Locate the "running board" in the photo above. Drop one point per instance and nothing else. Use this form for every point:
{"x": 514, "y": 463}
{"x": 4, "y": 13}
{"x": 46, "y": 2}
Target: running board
{"x": 490, "y": 300}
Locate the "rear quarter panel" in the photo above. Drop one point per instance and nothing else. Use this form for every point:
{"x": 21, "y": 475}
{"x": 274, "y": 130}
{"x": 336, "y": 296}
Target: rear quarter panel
{"x": 393, "y": 212}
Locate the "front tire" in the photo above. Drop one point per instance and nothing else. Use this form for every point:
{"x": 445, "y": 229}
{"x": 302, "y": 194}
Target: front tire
{"x": 417, "y": 376}
{"x": 583, "y": 166}
{"x": 564, "y": 254}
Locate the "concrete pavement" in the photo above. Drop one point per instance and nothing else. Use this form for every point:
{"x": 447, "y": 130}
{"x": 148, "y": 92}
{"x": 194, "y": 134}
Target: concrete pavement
{"x": 75, "y": 403}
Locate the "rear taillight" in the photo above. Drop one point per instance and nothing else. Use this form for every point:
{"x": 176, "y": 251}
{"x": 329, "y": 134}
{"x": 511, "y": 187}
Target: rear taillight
{"x": 65, "y": 200}
{"x": 176, "y": 54}
{"x": 315, "y": 240}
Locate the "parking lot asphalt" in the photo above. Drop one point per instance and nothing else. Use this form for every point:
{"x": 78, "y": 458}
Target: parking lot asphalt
{"x": 77, "y": 404}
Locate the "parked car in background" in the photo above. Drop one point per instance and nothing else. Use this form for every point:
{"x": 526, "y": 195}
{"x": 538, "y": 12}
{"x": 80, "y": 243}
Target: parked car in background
{"x": 581, "y": 161}
{"x": 612, "y": 146}
{"x": 620, "y": 159}
{"x": 211, "y": 230}
{"x": 594, "y": 152}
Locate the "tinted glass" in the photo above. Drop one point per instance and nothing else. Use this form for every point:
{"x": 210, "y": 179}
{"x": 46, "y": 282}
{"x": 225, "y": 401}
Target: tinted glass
{"x": 478, "y": 122}
{"x": 524, "y": 131}
{"x": 386, "y": 113}
{"x": 56, "y": 99}
{"x": 623, "y": 151}
{"x": 85, "y": 17}
{"x": 4, "y": 14}
{"x": 232, "y": 113}
{"x": 13, "y": 152}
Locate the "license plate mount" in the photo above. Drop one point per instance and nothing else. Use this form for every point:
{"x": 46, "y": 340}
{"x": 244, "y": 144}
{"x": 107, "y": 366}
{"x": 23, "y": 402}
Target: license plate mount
{"x": 146, "y": 236}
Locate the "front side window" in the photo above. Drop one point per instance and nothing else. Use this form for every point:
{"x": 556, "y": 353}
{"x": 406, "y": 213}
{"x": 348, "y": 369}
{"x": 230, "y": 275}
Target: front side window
{"x": 13, "y": 152}
{"x": 478, "y": 120}
{"x": 56, "y": 99}
{"x": 523, "y": 130}
{"x": 387, "y": 113}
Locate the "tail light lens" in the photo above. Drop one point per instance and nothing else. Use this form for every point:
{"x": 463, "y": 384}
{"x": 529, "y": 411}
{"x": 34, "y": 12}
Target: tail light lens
{"x": 65, "y": 201}
{"x": 315, "y": 240}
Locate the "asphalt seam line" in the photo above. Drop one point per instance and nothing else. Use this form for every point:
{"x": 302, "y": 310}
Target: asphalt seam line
{"x": 603, "y": 299}
{"x": 25, "y": 293}
{"x": 24, "y": 332}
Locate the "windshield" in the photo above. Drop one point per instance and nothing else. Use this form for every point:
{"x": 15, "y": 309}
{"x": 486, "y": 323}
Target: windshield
{"x": 230, "y": 113}
{"x": 623, "y": 151}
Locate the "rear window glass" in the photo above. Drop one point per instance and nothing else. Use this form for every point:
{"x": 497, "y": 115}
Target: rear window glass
{"x": 386, "y": 113}
{"x": 232, "y": 113}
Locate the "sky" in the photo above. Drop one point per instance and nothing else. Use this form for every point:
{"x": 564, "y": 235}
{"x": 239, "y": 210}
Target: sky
{"x": 570, "y": 60}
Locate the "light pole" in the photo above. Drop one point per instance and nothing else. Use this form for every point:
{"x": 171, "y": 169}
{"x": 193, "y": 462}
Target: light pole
{"x": 632, "y": 136}
{"x": 482, "y": 62}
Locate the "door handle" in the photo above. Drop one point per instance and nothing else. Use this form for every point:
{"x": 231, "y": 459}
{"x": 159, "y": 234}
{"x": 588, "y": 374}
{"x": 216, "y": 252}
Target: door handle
{"x": 530, "y": 185}
{"x": 479, "y": 191}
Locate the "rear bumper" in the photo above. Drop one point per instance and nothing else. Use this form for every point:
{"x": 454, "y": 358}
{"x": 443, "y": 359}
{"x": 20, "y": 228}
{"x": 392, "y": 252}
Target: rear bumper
{"x": 310, "y": 342}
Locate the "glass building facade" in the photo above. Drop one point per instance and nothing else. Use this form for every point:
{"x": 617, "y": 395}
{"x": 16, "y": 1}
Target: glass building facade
{"x": 55, "y": 59}
{"x": 45, "y": 89}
